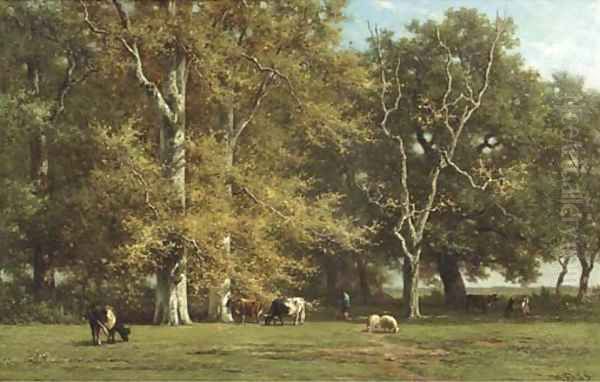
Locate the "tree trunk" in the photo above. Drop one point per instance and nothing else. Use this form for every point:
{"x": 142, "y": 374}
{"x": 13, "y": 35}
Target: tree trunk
{"x": 584, "y": 280}
{"x": 563, "y": 273}
{"x": 410, "y": 291}
{"x": 454, "y": 285}
{"x": 331, "y": 270}
{"x": 43, "y": 277}
{"x": 363, "y": 280}
{"x": 218, "y": 310}
{"x": 171, "y": 304}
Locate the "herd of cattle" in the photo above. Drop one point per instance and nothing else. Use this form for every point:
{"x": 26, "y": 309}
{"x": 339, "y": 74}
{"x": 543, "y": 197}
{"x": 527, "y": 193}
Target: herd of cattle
{"x": 483, "y": 302}
{"x": 103, "y": 319}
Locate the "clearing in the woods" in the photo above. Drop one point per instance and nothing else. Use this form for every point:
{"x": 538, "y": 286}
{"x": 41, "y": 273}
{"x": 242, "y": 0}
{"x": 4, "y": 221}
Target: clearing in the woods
{"x": 473, "y": 348}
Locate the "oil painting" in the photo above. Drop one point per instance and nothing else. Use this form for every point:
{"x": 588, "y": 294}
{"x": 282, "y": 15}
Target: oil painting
{"x": 315, "y": 190}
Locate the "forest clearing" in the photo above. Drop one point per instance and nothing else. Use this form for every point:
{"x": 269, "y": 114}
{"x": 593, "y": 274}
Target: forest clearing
{"x": 449, "y": 348}
{"x": 180, "y": 177}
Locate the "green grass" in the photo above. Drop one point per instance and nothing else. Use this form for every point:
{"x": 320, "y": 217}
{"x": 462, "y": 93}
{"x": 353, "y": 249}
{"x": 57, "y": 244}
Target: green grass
{"x": 475, "y": 348}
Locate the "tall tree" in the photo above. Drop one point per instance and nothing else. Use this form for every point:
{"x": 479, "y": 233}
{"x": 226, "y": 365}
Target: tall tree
{"x": 446, "y": 114}
{"x": 171, "y": 305}
{"x": 49, "y": 45}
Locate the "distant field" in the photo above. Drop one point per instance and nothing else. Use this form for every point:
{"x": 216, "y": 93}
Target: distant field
{"x": 457, "y": 347}
{"x": 503, "y": 290}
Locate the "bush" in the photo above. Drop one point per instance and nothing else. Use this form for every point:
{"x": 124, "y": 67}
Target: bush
{"x": 18, "y": 307}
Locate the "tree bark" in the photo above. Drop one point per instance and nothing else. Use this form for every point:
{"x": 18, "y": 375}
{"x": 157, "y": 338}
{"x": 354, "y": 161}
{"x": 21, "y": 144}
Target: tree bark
{"x": 171, "y": 305}
{"x": 363, "y": 280}
{"x": 584, "y": 280}
{"x": 218, "y": 309}
{"x": 563, "y": 273}
{"x": 410, "y": 291}
{"x": 43, "y": 277}
{"x": 454, "y": 285}
{"x": 331, "y": 271}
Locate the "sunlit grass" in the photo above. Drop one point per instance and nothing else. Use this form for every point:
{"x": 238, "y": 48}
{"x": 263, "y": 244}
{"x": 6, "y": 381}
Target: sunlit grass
{"x": 431, "y": 349}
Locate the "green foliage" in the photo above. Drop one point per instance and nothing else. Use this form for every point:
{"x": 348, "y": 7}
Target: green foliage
{"x": 294, "y": 197}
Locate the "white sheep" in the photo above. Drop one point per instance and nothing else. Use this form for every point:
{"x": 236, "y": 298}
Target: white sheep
{"x": 388, "y": 323}
{"x": 373, "y": 322}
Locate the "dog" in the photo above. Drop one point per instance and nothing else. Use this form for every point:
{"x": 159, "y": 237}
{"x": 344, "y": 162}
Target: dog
{"x": 102, "y": 319}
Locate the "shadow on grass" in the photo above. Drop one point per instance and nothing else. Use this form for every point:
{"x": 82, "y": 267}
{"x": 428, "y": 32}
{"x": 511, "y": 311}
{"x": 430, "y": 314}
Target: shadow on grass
{"x": 89, "y": 344}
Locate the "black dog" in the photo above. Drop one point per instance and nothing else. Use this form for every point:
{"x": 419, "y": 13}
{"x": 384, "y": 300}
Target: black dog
{"x": 103, "y": 319}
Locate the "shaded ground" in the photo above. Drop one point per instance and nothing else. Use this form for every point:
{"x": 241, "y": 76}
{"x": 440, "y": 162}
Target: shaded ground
{"x": 432, "y": 349}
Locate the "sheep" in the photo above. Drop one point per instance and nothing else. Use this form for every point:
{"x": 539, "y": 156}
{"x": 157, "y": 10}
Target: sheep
{"x": 389, "y": 323}
{"x": 373, "y": 322}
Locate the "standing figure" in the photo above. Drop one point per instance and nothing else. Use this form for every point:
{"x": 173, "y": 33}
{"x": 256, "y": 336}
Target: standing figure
{"x": 345, "y": 305}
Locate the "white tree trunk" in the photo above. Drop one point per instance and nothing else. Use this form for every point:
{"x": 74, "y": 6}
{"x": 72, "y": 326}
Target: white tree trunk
{"x": 410, "y": 291}
{"x": 218, "y": 296}
{"x": 171, "y": 294}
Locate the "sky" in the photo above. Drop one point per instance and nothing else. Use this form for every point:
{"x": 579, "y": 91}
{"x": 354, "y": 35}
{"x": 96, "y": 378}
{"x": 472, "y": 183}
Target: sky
{"x": 555, "y": 35}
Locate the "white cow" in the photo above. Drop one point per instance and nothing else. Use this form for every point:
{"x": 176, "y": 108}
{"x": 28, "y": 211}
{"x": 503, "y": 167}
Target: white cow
{"x": 296, "y": 308}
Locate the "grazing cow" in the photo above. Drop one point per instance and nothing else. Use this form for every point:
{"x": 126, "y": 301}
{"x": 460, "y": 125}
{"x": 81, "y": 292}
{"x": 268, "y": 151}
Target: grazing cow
{"x": 388, "y": 323}
{"x": 480, "y": 301}
{"x": 521, "y": 303}
{"x": 120, "y": 328}
{"x": 293, "y": 306}
{"x": 244, "y": 307}
{"x": 103, "y": 319}
{"x": 373, "y": 322}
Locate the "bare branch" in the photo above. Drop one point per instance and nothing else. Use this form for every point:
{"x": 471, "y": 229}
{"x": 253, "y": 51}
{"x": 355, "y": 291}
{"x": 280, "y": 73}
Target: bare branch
{"x": 277, "y": 74}
{"x": 400, "y": 236}
{"x": 387, "y": 111}
{"x": 150, "y": 87}
{"x": 123, "y": 15}
{"x": 265, "y": 205}
{"x": 66, "y": 86}
{"x": 261, "y": 93}
{"x": 465, "y": 173}
{"x": 140, "y": 178}
{"x": 449, "y": 79}
{"x": 86, "y": 18}
{"x": 383, "y": 124}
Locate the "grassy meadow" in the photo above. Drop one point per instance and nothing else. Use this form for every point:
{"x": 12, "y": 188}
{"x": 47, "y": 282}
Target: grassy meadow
{"x": 449, "y": 347}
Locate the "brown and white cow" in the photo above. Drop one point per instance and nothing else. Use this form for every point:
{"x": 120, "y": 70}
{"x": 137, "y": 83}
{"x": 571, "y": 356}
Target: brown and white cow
{"x": 246, "y": 307}
{"x": 518, "y": 303}
{"x": 287, "y": 306}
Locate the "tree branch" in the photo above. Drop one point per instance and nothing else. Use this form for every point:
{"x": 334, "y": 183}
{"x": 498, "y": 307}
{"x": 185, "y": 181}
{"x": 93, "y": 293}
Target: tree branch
{"x": 265, "y": 205}
{"x": 482, "y": 187}
{"x": 276, "y": 73}
{"x": 150, "y": 87}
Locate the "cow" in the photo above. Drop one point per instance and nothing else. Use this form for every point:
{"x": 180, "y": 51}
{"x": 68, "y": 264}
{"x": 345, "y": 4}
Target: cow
{"x": 480, "y": 301}
{"x": 244, "y": 307}
{"x": 291, "y": 306}
{"x": 103, "y": 319}
{"x": 518, "y": 302}
{"x": 124, "y": 332}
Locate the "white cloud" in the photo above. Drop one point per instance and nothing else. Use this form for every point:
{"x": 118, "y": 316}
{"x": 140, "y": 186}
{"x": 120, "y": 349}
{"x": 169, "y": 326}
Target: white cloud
{"x": 385, "y": 4}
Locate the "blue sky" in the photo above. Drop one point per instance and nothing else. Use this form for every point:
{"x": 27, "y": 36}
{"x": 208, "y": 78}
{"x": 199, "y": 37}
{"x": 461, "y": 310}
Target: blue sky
{"x": 554, "y": 35}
